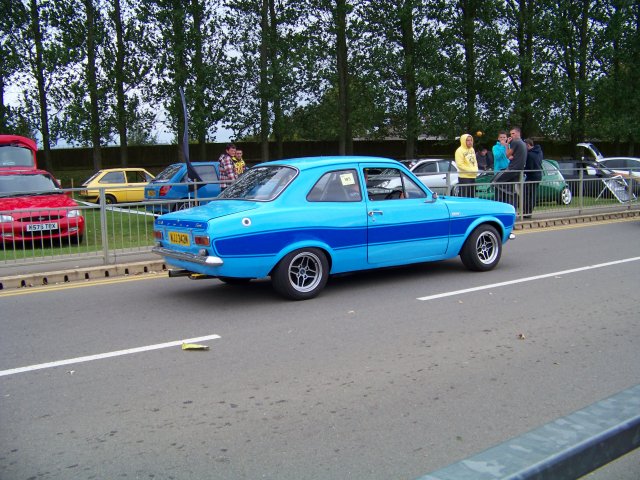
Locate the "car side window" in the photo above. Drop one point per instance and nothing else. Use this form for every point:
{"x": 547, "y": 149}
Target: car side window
{"x": 336, "y": 186}
{"x": 207, "y": 173}
{"x": 411, "y": 190}
{"x": 137, "y": 176}
{"x": 426, "y": 167}
{"x": 447, "y": 166}
{"x": 113, "y": 177}
{"x": 390, "y": 184}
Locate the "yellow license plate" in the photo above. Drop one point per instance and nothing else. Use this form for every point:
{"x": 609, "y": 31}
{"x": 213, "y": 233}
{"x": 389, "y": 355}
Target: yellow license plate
{"x": 179, "y": 238}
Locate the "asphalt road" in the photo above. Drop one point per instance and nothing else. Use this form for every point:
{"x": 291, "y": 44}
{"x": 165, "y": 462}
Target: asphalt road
{"x": 364, "y": 382}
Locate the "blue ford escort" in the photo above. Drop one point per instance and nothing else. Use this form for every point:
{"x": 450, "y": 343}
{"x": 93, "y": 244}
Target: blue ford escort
{"x": 299, "y": 221}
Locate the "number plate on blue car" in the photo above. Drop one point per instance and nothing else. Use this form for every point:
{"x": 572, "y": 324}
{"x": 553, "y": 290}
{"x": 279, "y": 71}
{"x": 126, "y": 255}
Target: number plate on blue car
{"x": 179, "y": 238}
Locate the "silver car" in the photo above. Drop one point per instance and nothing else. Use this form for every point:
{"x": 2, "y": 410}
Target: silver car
{"x": 439, "y": 174}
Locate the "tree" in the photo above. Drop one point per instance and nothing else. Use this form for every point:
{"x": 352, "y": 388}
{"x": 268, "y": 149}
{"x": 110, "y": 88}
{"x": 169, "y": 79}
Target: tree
{"x": 92, "y": 85}
{"x": 567, "y": 33}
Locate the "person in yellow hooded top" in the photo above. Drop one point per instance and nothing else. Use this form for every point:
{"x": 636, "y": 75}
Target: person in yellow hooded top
{"x": 467, "y": 166}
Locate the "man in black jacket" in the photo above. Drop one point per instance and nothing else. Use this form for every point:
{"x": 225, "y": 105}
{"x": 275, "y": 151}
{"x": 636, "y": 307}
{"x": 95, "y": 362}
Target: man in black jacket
{"x": 506, "y": 180}
{"x": 533, "y": 170}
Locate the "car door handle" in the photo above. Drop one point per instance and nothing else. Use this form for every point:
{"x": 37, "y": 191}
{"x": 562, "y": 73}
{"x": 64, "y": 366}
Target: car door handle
{"x": 375, "y": 212}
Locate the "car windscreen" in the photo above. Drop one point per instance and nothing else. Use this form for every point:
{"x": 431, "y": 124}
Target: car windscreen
{"x": 14, "y": 156}
{"x": 11, "y": 185}
{"x": 260, "y": 183}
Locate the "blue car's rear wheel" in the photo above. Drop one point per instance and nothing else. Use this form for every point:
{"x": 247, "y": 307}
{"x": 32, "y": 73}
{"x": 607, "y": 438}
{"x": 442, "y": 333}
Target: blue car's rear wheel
{"x": 482, "y": 250}
{"x": 301, "y": 274}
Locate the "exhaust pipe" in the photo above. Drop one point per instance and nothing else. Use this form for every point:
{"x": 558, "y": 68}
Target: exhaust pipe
{"x": 179, "y": 273}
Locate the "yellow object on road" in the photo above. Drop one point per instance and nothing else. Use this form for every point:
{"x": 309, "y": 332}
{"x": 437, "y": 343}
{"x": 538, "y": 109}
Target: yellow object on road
{"x": 194, "y": 346}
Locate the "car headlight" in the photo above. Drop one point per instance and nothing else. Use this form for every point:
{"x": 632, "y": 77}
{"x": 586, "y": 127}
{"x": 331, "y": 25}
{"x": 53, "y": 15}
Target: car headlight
{"x": 6, "y": 218}
{"x": 74, "y": 214}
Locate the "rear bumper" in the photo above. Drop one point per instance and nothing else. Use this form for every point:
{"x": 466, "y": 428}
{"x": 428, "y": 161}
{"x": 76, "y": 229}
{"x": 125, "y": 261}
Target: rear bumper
{"x": 208, "y": 260}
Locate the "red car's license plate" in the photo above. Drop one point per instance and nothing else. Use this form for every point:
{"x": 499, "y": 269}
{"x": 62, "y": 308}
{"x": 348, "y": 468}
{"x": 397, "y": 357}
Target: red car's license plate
{"x": 42, "y": 227}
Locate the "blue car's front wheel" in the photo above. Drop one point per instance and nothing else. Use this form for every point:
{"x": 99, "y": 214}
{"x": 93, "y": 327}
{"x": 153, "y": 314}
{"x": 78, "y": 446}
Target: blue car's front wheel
{"x": 482, "y": 250}
{"x": 301, "y": 274}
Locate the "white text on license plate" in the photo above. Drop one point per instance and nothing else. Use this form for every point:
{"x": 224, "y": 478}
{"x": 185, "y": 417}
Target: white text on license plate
{"x": 179, "y": 238}
{"x": 42, "y": 227}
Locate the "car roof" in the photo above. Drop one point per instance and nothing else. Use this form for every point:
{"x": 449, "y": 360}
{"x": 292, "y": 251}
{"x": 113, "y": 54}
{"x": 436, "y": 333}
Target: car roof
{"x": 305, "y": 163}
{"x": 18, "y": 140}
{"x": 619, "y": 158}
{"x": 23, "y": 171}
{"x": 120, "y": 169}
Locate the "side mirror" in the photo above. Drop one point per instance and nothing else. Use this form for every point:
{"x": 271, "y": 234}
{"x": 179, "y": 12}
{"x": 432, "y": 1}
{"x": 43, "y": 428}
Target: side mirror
{"x": 434, "y": 197}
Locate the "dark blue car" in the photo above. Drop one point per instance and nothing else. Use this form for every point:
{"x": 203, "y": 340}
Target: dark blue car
{"x": 172, "y": 190}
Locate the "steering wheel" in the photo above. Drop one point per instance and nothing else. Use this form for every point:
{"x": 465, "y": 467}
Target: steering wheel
{"x": 393, "y": 194}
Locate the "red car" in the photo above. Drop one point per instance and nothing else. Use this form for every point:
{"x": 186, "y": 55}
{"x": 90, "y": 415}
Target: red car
{"x": 17, "y": 152}
{"x": 34, "y": 208}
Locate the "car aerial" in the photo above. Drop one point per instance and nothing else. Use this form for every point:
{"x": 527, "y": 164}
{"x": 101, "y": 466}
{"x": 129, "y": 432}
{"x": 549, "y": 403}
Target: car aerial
{"x": 119, "y": 184}
{"x": 552, "y": 187}
{"x": 17, "y": 152}
{"x": 34, "y": 208}
{"x": 439, "y": 174}
{"x": 299, "y": 221}
{"x": 172, "y": 185}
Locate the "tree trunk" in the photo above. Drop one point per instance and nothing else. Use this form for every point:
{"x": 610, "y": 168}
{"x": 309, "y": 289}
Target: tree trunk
{"x": 408, "y": 44}
{"x": 121, "y": 109}
{"x": 42, "y": 93}
{"x": 178, "y": 23}
{"x": 345, "y": 139}
{"x": 276, "y": 83}
{"x": 264, "y": 80}
{"x": 198, "y": 66}
{"x": 469, "y": 11}
{"x": 93, "y": 86}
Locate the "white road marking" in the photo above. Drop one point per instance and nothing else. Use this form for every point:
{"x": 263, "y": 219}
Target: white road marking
{"x": 101, "y": 356}
{"x": 527, "y": 279}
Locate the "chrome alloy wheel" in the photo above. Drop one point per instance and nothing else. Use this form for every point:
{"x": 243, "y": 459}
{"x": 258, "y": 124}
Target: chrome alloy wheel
{"x": 305, "y": 271}
{"x": 487, "y": 247}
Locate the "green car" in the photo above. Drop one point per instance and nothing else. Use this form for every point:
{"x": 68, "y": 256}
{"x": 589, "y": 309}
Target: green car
{"x": 553, "y": 187}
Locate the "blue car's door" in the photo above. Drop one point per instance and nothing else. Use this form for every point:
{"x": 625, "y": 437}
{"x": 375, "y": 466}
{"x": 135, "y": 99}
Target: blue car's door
{"x": 404, "y": 224}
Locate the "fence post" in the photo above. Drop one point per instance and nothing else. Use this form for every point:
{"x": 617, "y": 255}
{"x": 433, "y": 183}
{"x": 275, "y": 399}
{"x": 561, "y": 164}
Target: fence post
{"x": 103, "y": 226}
{"x": 581, "y": 190}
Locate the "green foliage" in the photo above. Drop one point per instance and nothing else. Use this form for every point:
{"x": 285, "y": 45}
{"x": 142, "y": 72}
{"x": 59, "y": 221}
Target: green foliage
{"x": 562, "y": 69}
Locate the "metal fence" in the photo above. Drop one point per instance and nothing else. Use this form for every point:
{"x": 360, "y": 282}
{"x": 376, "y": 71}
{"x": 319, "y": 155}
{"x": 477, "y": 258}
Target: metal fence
{"x": 112, "y": 231}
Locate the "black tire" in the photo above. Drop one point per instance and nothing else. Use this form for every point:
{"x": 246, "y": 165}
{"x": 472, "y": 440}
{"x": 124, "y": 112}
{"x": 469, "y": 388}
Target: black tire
{"x": 110, "y": 199}
{"x": 301, "y": 274}
{"x": 482, "y": 250}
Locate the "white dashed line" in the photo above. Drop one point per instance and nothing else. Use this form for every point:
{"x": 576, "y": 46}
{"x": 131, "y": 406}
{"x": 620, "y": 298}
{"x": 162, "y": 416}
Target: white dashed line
{"x": 527, "y": 279}
{"x": 102, "y": 356}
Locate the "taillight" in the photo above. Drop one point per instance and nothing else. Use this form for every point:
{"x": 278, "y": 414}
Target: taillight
{"x": 157, "y": 234}
{"x": 201, "y": 240}
{"x": 164, "y": 190}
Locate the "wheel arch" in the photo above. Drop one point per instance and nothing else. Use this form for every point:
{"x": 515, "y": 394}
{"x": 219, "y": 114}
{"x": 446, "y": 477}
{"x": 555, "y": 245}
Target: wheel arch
{"x": 495, "y": 223}
{"x": 323, "y": 247}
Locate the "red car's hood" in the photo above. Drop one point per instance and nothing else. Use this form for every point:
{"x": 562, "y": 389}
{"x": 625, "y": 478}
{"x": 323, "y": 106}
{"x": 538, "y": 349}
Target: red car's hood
{"x": 34, "y": 202}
